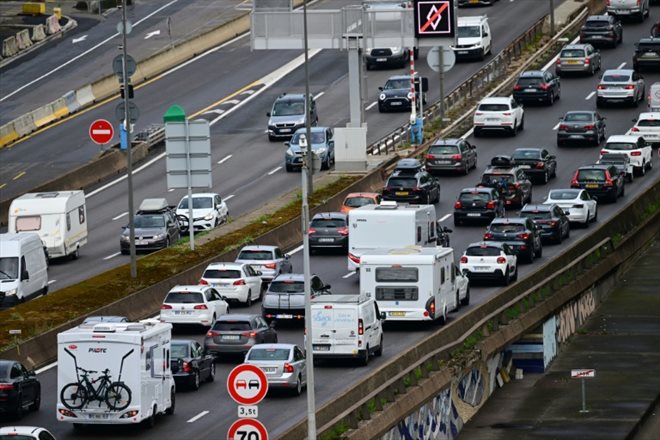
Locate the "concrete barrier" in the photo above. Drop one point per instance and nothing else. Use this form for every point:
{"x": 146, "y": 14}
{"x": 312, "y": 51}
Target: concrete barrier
{"x": 43, "y": 115}
{"x": 24, "y": 125}
{"x": 71, "y": 102}
{"x": 7, "y": 134}
{"x": 59, "y": 108}
{"x": 38, "y": 33}
{"x": 9, "y": 47}
{"x": 52, "y": 25}
{"x": 84, "y": 96}
{"x": 23, "y": 39}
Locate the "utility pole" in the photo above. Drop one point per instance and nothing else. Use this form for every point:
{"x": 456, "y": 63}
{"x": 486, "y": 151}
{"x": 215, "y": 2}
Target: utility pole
{"x": 308, "y": 123}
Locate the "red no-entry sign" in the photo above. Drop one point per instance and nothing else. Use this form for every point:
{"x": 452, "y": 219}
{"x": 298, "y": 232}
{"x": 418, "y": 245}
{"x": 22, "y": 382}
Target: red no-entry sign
{"x": 247, "y": 429}
{"x": 247, "y": 384}
{"x": 101, "y": 131}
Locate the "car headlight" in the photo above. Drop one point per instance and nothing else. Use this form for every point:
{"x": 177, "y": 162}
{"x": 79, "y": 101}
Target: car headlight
{"x": 410, "y": 95}
{"x": 209, "y": 216}
{"x": 321, "y": 150}
{"x": 160, "y": 236}
{"x": 11, "y": 292}
{"x": 396, "y": 50}
{"x": 289, "y": 152}
{"x": 382, "y": 97}
{"x": 300, "y": 121}
{"x": 124, "y": 237}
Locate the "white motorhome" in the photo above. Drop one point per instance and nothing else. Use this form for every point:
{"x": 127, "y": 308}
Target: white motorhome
{"x": 413, "y": 283}
{"x": 389, "y": 225}
{"x": 23, "y": 267}
{"x": 654, "y": 97}
{"x": 59, "y": 217}
{"x": 114, "y": 373}
{"x": 346, "y": 326}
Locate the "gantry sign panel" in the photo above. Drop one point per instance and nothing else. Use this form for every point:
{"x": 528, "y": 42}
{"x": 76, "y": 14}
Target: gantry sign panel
{"x": 434, "y": 19}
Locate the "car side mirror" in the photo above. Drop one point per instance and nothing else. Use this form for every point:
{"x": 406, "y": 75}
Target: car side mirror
{"x": 634, "y": 120}
{"x": 268, "y": 114}
{"x": 383, "y": 316}
{"x": 287, "y": 144}
{"x": 594, "y": 198}
{"x": 380, "y": 88}
{"x": 259, "y": 273}
{"x": 287, "y": 256}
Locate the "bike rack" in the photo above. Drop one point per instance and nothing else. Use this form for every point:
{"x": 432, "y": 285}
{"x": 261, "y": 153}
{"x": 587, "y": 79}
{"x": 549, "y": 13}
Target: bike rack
{"x": 75, "y": 362}
{"x": 121, "y": 365}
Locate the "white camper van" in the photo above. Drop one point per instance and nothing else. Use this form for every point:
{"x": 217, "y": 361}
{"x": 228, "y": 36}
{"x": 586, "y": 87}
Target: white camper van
{"x": 59, "y": 217}
{"x": 389, "y": 225}
{"x": 23, "y": 267}
{"x": 413, "y": 284}
{"x": 114, "y": 373}
{"x": 346, "y": 326}
{"x": 654, "y": 97}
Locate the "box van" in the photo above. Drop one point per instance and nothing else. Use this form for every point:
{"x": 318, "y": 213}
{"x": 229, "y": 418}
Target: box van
{"x": 114, "y": 373}
{"x": 59, "y": 217}
{"x": 473, "y": 38}
{"x": 413, "y": 283}
{"x": 346, "y": 326}
{"x": 654, "y": 97}
{"x": 23, "y": 267}
{"x": 389, "y": 225}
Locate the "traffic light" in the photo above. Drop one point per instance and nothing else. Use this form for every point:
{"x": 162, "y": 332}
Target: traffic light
{"x": 130, "y": 91}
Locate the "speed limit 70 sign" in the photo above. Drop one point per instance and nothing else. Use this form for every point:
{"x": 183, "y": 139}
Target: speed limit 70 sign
{"x": 247, "y": 429}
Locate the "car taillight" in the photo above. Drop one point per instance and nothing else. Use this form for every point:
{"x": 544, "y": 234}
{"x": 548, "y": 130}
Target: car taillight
{"x": 501, "y": 260}
{"x": 457, "y": 157}
{"x": 311, "y": 231}
{"x": 589, "y": 127}
{"x": 249, "y": 334}
{"x": 636, "y": 153}
{"x": 553, "y": 223}
{"x": 288, "y": 368}
{"x": 563, "y": 127}
{"x": 165, "y": 307}
{"x": 517, "y": 87}
{"x": 574, "y": 180}
{"x": 629, "y": 86}
{"x": 203, "y": 282}
{"x": 464, "y": 259}
{"x": 523, "y": 236}
{"x": 488, "y": 236}
{"x": 240, "y": 282}
{"x": 354, "y": 258}
{"x": 212, "y": 333}
{"x": 478, "y": 114}
{"x": 558, "y": 62}
{"x": 343, "y": 231}
{"x": 540, "y": 165}
{"x": 601, "y": 87}
{"x": 587, "y": 61}
{"x": 603, "y": 152}
{"x": 634, "y": 129}
{"x": 507, "y": 113}
{"x": 544, "y": 86}
{"x": 360, "y": 327}
{"x": 6, "y": 386}
{"x": 430, "y": 307}
{"x": 200, "y": 307}
{"x": 187, "y": 368}
{"x": 458, "y": 204}
{"x": 270, "y": 265}
{"x": 430, "y": 157}
{"x": 490, "y": 205}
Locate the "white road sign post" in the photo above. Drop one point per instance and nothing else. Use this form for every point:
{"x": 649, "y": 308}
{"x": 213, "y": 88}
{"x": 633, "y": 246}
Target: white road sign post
{"x": 247, "y": 385}
{"x": 583, "y": 374}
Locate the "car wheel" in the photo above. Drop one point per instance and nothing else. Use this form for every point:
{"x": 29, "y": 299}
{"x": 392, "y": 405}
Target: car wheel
{"x": 298, "y": 389}
{"x": 151, "y": 421}
{"x": 364, "y": 357}
{"x": 379, "y": 350}
{"x": 592, "y": 71}
{"x": 642, "y": 169}
{"x": 288, "y": 168}
{"x": 522, "y": 124}
{"x": 466, "y": 169}
{"x": 211, "y": 377}
{"x": 506, "y": 279}
{"x": 170, "y": 411}
{"x": 466, "y": 301}
{"x": 560, "y": 236}
{"x": 248, "y": 301}
{"x": 18, "y": 412}
{"x": 477, "y": 132}
{"x": 560, "y": 143}
{"x": 272, "y": 138}
{"x": 595, "y": 218}
{"x": 195, "y": 381}
{"x": 599, "y": 103}
{"x": 458, "y": 301}
{"x": 167, "y": 242}
{"x": 457, "y": 222}
{"x": 75, "y": 254}
{"x": 515, "y": 275}
{"x": 36, "y": 403}
{"x": 531, "y": 256}
{"x": 546, "y": 177}
{"x": 568, "y": 232}
{"x": 551, "y": 98}
{"x": 539, "y": 253}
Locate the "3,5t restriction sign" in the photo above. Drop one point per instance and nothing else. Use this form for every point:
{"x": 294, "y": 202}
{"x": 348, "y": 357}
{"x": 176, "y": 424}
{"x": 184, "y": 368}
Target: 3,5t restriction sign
{"x": 247, "y": 429}
{"x": 434, "y": 18}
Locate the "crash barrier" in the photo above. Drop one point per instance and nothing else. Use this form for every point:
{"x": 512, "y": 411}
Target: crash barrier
{"x": 52, "y": 25}
{"x": 23, "y": 39}
{"x": 70, "y": 102}
{"x": 9, "y": 47}
{"x": 84, "y": 96}
{"x": 38, "y": 32}
{"x": 41, "y": 350}
{"x": 500, "y": 321}
{"x": 7, "y": 134}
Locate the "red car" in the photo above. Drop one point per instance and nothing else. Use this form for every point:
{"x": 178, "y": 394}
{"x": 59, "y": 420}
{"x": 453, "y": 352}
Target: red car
{"x": 355, "y": 200}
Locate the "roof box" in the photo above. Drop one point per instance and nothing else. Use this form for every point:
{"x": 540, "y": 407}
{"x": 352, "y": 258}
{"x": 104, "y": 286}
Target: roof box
{"x": 153, "y": 205}
{"x": 409, "y": 165}
{"x": 501, "y": 161}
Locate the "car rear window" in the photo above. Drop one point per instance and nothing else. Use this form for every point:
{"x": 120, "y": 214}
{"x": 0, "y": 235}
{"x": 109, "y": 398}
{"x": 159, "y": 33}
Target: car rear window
{"x": 507, "y": 228}
{"x": 578, "y": 117}
{"x": 536, "y": 215}
{"x": 443, "y": 149}
{"x": 403, "y": 182}
{"x": 403, "y": 293}
{"x": 4, "y": 370}
{"x": 488, "y": 178}
{"x": 474, "y": 197}
{"x": 328, "y": 223}
{"x": 222, "y": 274}
{"x": 286, "y": 287}
{"x": 648, "y": 123}
{"x": 648, "y": 47}
{"x": 232, "y": 326}
{"x": 16, "y": 437}
{"x": 530, "y": 81}
{"x": 356, "y": 202}
{"x": 526, "y": 154}
{"x": 269, "y": 354}
{"x": 563, "y": 195}
{"x": 493, "y": 107}
{"x": 397, "y": 274}
{"x": 179, "y": 351}
{"x": 591, "y": 175}
{"x": 483, "y": 251}
{"x": 616, "y": 78}
{"x": 596, "y": 23}
{"x": 184, "y": 298}
{"x": 255, "y": 255}
{"x": 572, "y": 53}
{"x": 620, "y": 146}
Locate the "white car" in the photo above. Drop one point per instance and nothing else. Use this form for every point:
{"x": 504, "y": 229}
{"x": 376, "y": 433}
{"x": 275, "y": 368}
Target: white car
{"x": 209, "y": 210}
{"x": 234, "y": 281}
{"x": 576, "y": 203}
{"x": 499, "y": 113}
{"x": 490, "y": 260}
{"x": 193, "y": 305}
{"x": 635, "y": 147}
{"x": 26, "y": 433}
{"x": 620, "y": 86}
{"x": 647, "y": 125}
{"x": 462, "y": 285}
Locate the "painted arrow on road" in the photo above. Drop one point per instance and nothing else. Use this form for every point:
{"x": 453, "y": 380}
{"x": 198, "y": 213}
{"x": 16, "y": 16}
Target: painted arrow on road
{"x": 79, "y": 39}
{"x": 151, "y": 34}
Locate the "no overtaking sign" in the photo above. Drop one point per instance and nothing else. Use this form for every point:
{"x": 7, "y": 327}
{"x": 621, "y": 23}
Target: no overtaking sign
{"x": 247, "y": 384}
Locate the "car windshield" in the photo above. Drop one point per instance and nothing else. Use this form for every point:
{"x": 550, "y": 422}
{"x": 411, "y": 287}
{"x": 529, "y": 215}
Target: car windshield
{"x": 578, "y": 117}
{"x": 289, "y": 108}
{"x": 184, "y": 298}
{"x": 394, "y": 84}
{"x": 198, "y": 203}
{"x": 255, "y": 255}
{"x": 488, "y": 178}
{"x": 402, "y": 182}
{"x": 179, "y": 350}
{"x": 572, "y": 53}
{"x": 564, "y": 195}
{"x": 443, "y": 149}
{"x": 648, "y": 123}
{"x": 619, "y": 77}
{"x": 328, "y": 223}
{"x": 317, "y": 137}
{"x": 149, "y": 221}
{"x": 469, "y": 32}
{"x": 536, "y": 215}
{"x": 269, "y": 354}
{"x": 591, "y": 175}
{"x": 483, "y": 251}
{"x": 530, "y": 81}
{"x": 8, "y": 268}
{"x": 286, "y": 287}
{"x": 356, "y": 202}
{"x": 620, "y": 146}
{"x": 506, "y": 228}
{"x": 493, "y": 107}
{"x": 648, "y": 47}
{"x": 526, "y": 154}
{"x": 475, "y": 197}
{"x": 230, "y": 274}
{"x": 232, "y": 326}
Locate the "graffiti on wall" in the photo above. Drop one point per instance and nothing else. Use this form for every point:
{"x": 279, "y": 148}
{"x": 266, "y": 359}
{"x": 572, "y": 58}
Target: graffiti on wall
{"x": 573, "y": 315}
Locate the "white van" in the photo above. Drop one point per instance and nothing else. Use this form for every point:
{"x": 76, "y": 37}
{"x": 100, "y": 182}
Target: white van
{"x": 23, "y": 267}
{"x": 346, "y": 326}
{"x": 654, "y": 97}
{"x": 59, "y": 217}
{"x": 413, "y": 284}
{"x": 389, "y": 225}
{"x": 114, "y": 373}
{"x": 473, "y": 38}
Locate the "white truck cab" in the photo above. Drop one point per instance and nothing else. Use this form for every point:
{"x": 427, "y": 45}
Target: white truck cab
{"x": 473, "y": 38}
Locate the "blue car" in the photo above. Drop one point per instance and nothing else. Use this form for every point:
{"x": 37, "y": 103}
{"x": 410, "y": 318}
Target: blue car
{"x": 322, "y": 144}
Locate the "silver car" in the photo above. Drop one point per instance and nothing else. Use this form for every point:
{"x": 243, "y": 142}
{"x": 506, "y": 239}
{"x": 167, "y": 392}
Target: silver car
{"x": 579, "y": 58}
{"x": 629, "y": 8}
{"x": 620, "y": 86}
{"x": 270, "y": 260}
{"x": 284, "y": 365}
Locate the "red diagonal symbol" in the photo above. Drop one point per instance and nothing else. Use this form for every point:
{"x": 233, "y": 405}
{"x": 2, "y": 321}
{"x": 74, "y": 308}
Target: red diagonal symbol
{"x": 434, "y": 17}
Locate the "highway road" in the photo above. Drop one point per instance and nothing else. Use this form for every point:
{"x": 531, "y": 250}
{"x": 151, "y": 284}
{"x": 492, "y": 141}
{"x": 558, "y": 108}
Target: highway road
{"x": 208, "y": 412}
{"x": 243, "y": 86}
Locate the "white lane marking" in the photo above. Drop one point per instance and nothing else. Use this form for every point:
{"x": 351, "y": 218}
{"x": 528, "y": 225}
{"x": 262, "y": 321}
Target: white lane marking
{"x": 76, "y": 58}
{"x": 197, "y": 417}
{"x": 79, "y": 39}
{"x": 117, "y": 217}
{"x": 590, "y": 95}
{"x": 348, "y": 275}
{"x": 51, "y": 282}
{"x": 217, "y": 111}
{"x": 119, "y": 179}
{"x": 319, "y": 95}
{"x": 443, "y": 218}
{"x": 621, "y": 65}
{"x": 370, "y": 106}
{"x": 556, "y": 126}
{"x": 271, "y": 172}
{"x": 298, "y": 249}
{"x": 232, "y": 101}
{"x": 111, "y": 256}
{"x": 224, "y": 159}
{"x": 554, "y": 59}
{"x": 247, "y": 92}
{"x": 229, "y": 197}
{"x": 170, "y": 190}
{"x": 151, "y": 34}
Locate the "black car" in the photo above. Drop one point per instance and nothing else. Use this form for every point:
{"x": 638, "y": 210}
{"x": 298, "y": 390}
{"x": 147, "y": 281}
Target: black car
{"x": 19, "y": 389}
{"x": 552, "y": 220}
{"x": 478, "y": 204}
{"x": 328, "y": 230}
{"x": 285, "y": 297}
{"x": 647, "y": 54}
{"x": 411, "y": 183}
{"x": 396, "y": 95}
{"x": 600, "y": 181}
{"x": 511, "y": 181}
{"x": 237, "y": 333}
{"x": 601, "y": 29}
{"x": 519, "y": 233}
{"x": 581, "y": 126}
{"x": 537, "y": 86}
{"x": 190, "y": 365}
{"x": 621, "y": 162}
{"x": 537, "y": 162}
{"x": 451, "y": 155}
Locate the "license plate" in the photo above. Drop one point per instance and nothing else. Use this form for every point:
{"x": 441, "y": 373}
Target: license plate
{"x": 284, "y": 316}
{"x": 326, "y": 240}
{"x": 285, "y": 130}
{"x": 591, "y": 185}
{"x": 98, "y": 416}
{"x": 530, "y": 90}
{"x": 401, "y": 193}
{"x": 576, "y": 136}
{"x": 492, "y": 119}
{"x": 182, "y": 312}
{"x": 462, "y": 52}
{"x": 269, "y": 369}
{"x": 395, "y": 103}
{"x": 381, "y": 60}
{"x": 231, "y": 337}
{"x": 481, "y": 268}
{"x": 622, "y": 11}
{"x": 573, "y": 62}
{"x": 397, "y": 313}
{"x": 220, "y": 284}
{"x": 474, "y": 214}
{"x": 442, "y": 162}
{"x": 141, "y": 242}
{"x": 321, "y": 347}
